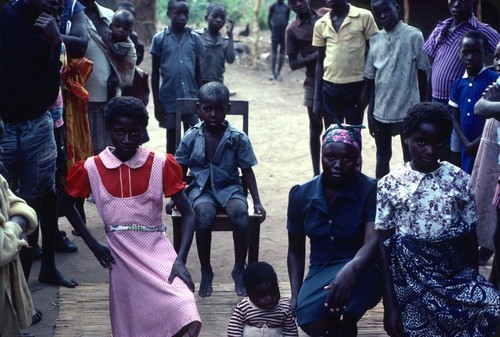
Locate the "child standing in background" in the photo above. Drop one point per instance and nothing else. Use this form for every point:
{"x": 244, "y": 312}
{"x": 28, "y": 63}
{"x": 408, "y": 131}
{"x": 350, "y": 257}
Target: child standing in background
{"x": 466, "y": 91}
{"x": 121, "y": 51}
{"x": 263, "y": 312}
{"x": 277, "y": 20}
{"x": 390, "y": 99}
{"x": 217, "y": 49}
{"x": 427, "y": 217}
{"x": 177, "y": 53}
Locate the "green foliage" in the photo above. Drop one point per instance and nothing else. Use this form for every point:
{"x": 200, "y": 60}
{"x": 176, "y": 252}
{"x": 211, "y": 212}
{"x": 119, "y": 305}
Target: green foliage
{"x": 240, "y": 11}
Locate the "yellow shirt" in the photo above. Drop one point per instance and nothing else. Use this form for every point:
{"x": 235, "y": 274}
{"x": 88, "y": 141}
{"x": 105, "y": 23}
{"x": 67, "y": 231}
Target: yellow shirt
{"x": 345, "y": 51}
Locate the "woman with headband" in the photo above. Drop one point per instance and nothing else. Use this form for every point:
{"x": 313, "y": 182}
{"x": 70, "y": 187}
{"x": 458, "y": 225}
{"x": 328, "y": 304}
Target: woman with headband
{"x": 336, "y": 211}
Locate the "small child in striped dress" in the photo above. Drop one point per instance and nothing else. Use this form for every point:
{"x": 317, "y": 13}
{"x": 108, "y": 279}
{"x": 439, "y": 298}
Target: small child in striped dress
{"x": 263, "y": 312}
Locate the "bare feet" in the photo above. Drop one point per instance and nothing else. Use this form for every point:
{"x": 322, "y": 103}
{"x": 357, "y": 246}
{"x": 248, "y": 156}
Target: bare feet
{"x": 53, "y": 276}
{"x": 239, "y": 287}
{"x": 206, "y": 284}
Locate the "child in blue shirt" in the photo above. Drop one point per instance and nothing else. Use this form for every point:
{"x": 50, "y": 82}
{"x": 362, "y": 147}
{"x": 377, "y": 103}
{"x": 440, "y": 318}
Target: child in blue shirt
{"x": 466, "y": 91}
{"x": 176, "y": 52}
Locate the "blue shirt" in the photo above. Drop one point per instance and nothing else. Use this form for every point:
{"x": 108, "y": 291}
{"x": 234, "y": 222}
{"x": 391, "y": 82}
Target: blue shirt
{"x": 338, "y": 232}
{"x": 234, "y": 151}
{"x": 465, "y": 92}
{"x": 177, "y": 65}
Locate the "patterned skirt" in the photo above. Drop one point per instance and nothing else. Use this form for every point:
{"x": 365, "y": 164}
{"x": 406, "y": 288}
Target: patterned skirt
{"x": 437, "y": 292}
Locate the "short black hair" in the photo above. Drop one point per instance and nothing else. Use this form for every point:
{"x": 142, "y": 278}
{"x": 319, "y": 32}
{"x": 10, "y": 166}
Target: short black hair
{"x": 258, "y": 273}
{"x": 214, "y": 5}
{"x": 125, "y": 5}
{"x": 427, "y": 112}
{"x": 171, "y": 3}
{"x": 476, "y": 35}
{"x": 125, "y": 106}
{"x": 212, "y": 89}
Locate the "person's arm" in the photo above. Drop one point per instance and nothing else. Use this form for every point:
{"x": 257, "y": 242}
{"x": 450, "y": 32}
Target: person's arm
{"x": 318, "y": 81}
{"x": 236, "y": 322}
{"x": 297, "y": 62}
{"x": 118, "y": 50}
{"x": 296, "y": 261}
{"x": 160, "y": 113}
{"x": 270, "y": 17}
{"x": 188, "y": 224}
{"x": 230, "y": 53}
{"x": 428, "y": 91}
{"x": 197, "y": 71}
{"x": 422, "y": 84}
{"x": 77, "y": 39}
{"x": 100, "y": 250}
{"x": 342, "y": 287}
{"x": 251, "y": 183}
{"x": 455, "y": 116}
{"x": 370, "y": 92}
{"x": 392, "y": 318}
{"x": 488, "y": 106}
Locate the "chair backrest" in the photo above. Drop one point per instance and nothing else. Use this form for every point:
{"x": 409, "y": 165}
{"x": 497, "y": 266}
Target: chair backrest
{"x": 188, "y": 106}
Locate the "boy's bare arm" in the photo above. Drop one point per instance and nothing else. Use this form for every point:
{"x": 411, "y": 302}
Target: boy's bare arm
{"x": 77, "y": 39}
{"x": 230, "y": 53}
{"x": 297, "y": 62}
{"x": 251, "y": 182}
{"x": 318, "y": 81}
{"x": 422, "y": 84}
{"x": 155, "y": 87}
{"x": 197, "y": 72}
{"x": 455, "y": 116}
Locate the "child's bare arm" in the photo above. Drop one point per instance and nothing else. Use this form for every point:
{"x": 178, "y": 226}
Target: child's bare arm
{"x": 100, "y": 250}
{"x": 455, "y": 116}
{"x": 160, "y": 114}
{"x": 318, "y": 81}
{"x": 422, "y": 84}
{"x": 297, "y": 62}
{"x": 197, "y": 72}
{"x": 251, "y": 182}
{"x": 77, "y": 39}
{"x": 230, "y": 52}
{"x": 488, "y": 106}
{"x": 188, "y": 225}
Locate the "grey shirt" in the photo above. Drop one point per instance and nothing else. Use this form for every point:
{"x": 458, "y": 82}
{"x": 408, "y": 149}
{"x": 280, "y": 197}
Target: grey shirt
{"x": 393, "y": 60}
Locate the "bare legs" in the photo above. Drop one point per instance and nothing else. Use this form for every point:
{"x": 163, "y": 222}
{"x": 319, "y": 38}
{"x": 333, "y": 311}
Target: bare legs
{"x": 237, "y": 211}
{"x": 315, "y": 129}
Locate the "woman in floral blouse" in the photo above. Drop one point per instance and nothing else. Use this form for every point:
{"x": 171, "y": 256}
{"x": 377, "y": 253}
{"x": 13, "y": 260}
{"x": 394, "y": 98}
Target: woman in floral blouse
{"x": 427, "y": 216}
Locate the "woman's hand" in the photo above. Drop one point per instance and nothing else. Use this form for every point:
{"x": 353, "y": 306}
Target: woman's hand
{"x": 170, "y": 207}
{"x": 102, "y": 254}
{"x": 341, "y": 288}
{"x": 179, "y": 270}
{"x": 293, "y": 305}
{"x": 392, "y": 321}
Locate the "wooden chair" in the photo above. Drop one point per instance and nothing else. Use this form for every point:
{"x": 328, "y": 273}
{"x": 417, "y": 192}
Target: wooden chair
{"x": 221, "y": 222}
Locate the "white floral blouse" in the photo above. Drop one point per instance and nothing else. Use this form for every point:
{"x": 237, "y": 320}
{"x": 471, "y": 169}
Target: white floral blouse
{"x": 432, "y": 206}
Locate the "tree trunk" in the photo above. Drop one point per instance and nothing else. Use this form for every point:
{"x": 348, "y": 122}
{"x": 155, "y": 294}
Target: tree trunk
{"x": 255, "y": 48}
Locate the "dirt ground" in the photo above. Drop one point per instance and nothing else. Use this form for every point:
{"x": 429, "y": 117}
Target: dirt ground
{"x": 278, "y": 128}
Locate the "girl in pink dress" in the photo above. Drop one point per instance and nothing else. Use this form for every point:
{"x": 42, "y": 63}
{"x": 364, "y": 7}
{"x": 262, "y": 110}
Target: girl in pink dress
{"x": 150, "y": 289}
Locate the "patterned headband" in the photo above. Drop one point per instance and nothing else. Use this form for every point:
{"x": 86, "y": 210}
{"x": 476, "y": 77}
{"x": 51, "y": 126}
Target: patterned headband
{"x": 344, "y": 133}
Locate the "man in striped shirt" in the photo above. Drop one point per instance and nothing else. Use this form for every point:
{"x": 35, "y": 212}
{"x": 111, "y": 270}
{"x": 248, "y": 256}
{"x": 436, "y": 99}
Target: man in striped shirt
{"x": 443, "y": 48}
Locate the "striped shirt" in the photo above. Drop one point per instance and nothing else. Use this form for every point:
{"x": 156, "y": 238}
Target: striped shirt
{"x": 444, "y": 49}
{"x": 247, "y": 313}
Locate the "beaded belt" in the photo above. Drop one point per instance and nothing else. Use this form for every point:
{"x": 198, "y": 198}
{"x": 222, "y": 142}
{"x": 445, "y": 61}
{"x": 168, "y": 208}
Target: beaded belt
{"x": 135, "y": 227}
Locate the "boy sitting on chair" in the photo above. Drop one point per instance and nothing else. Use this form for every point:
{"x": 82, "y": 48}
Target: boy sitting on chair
{"x": 214, "y": 150}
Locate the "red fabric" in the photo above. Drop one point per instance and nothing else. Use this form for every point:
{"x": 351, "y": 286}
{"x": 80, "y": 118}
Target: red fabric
{"x": 78, "y": 185}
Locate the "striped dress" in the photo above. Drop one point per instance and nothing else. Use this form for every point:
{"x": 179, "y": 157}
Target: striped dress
{"x": 130, "y": 195}
{"x": 248, "y": 320}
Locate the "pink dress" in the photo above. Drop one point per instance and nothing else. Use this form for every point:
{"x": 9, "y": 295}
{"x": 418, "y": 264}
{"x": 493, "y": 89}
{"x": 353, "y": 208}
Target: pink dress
{"x": 141, "y": 301}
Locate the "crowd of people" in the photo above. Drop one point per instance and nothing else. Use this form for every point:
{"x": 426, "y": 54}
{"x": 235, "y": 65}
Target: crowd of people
{"x": 412, "y": 237}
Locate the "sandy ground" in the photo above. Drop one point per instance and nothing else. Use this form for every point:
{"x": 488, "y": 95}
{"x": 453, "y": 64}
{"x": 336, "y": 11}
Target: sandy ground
{"x": 279, "y": 133}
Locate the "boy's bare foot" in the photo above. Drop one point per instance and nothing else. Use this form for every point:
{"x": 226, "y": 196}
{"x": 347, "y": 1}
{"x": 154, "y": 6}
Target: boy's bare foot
{"x": 53, "y": 276}
{"x": 239, "y": 286}
{"x": 206, "y": 284}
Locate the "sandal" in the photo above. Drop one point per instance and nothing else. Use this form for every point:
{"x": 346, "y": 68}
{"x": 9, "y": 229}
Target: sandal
{"x": 37, "y": 317}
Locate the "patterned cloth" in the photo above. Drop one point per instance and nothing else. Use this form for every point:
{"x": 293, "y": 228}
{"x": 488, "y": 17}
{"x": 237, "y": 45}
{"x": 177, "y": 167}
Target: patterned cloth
{"x": 141, "y": 301}
{"x": 438, "y": 293}
{"x": 276, "y": 322}
{"x": 347, "y": 134}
